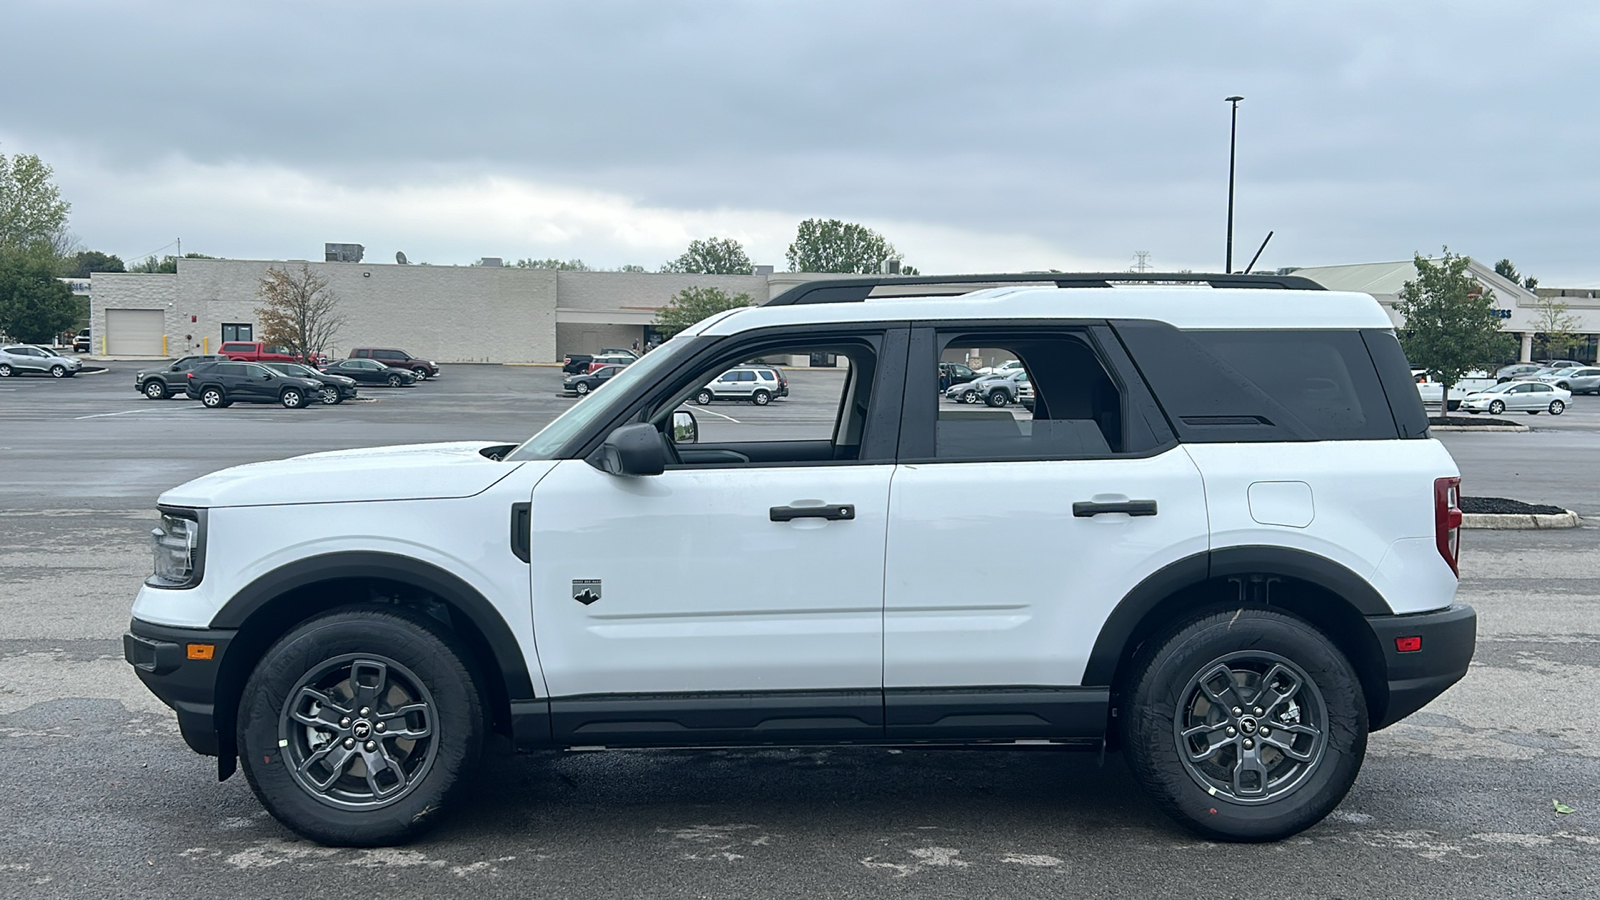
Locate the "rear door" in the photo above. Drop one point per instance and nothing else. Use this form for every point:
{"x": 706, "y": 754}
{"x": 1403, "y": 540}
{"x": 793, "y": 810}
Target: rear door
{"x": 1014, "y": 533}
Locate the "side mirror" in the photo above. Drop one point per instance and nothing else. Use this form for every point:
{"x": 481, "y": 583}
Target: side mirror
{"x": 685, "y": 428}
{"x": 631, "y": 450}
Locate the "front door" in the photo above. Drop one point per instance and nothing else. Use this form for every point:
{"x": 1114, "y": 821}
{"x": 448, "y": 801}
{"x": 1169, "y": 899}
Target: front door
{"x": 738, "y": 595}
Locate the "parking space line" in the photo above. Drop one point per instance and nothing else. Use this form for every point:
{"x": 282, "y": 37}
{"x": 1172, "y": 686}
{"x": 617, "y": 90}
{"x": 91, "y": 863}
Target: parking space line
{"x": 126, "y": 412}
{"x": 715, "y": 413}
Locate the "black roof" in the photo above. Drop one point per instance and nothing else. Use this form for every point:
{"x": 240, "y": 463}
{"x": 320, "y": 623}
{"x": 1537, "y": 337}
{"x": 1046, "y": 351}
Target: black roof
{"x": 855, "y": 290}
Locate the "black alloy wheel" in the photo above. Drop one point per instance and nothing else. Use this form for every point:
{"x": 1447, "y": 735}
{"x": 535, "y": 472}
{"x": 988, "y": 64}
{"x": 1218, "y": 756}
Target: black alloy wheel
{"x": 998, "y": 398}
{"x": 359, "y": 726}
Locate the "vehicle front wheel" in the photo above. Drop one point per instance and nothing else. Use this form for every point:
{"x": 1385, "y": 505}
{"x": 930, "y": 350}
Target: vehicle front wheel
{"x": 422, "y": 374}
{"x": 761, "y": 398}
{"x": 396, "y": 380}
{"x": 1245, "y": 725}
{"x": 359, "y": 726}
{"x": 998, "y": 398}
{"x": 155, "y": 390}
{"x": 580, "y": 388}
{"x": 213, "y": 398}
{"x": 1496, "y": 408}
{"x": 1557, "y": 407}
{"x": 704, "y": 397}
{"x": 330, "y": 396}
{"x": 969, "y": 396}
{"x": 291, "y": 398}
{"x": 5, "y": 371}
{"x": 58, "y": 371}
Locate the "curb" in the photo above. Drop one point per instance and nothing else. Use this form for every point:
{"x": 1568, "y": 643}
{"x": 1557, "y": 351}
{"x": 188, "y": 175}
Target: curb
{"x": 1520, "y": 521}
{"x": 1464, "y": 429}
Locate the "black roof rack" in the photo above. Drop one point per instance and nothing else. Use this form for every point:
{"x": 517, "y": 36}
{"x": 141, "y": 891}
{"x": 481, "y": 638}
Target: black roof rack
{"x": 855, "y": 290}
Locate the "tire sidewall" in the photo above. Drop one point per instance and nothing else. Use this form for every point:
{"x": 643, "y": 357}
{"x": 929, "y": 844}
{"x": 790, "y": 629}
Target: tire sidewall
{"x": 1557, "y": 407}
{"x": 1496, "y": 412}
{"x": 155, "y": 391}
{"x": 761, "y": 398}
{"x": 58, "y": 371}
{"x": 703, "y": 398}
{"x": 407, "y": 638}
{"x": 298, "y": 400}
{"x": 1165, "y": 672}
{"x": 208, "y": 392}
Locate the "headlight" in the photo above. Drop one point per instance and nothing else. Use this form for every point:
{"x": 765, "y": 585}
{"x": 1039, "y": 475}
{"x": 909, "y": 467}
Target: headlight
{"x": 178, "y": 546}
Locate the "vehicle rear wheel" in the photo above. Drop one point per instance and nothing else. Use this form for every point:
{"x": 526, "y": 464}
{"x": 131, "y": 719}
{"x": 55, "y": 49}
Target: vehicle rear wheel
{"x": 1557, "y": 407}
{"x": 155, "y": 390}
{"x": 1497, "y": 407}
{"x": 58, "y": 371}
{"x": 330, "y": 395}
{"x": 581, "y": 388}
{"x": 291, "y": 398}
{"x": 5, "y": 371}
{"x": 1245, "y": 725}
{"x": 704, "y": 397}
{"x": 998, "y": 398}
{"x": 213, "y": 398}
{"x": 396, "y": 379}
{"x": 360, "y": 725}
{"x": 761, "y": 398}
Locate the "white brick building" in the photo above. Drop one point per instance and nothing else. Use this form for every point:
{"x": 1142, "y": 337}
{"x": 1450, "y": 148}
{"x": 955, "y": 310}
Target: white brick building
{"x": 446, "y": 313}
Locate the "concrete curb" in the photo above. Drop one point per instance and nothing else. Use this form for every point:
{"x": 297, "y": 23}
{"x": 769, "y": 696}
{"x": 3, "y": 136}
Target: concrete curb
{"x": 1463, "y": 429}
{"x": 1520, "y": 521}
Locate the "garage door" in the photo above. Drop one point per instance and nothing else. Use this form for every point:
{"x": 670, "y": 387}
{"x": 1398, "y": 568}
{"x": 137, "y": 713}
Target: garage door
{"x": 135, "y": 332}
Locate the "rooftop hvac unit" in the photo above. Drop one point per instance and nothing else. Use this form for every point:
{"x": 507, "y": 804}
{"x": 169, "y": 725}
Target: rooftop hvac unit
{"x": 491, "y": 262}
{"x": 342, "y": 252}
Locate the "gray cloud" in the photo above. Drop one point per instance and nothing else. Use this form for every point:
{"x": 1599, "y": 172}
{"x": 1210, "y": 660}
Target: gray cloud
{"x": 1369, "y": 130}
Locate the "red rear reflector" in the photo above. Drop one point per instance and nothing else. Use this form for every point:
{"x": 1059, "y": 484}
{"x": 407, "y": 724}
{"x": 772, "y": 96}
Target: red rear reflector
{"x": 1408, "y": 644}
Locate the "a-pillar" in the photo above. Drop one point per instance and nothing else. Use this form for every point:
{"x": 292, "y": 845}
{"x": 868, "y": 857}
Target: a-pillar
{"x": 1527, "y": 346}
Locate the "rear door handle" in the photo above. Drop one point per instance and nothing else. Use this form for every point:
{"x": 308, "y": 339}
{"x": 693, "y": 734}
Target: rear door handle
{"x": 1083, "y": 509}
{"x": 835, "y": 512}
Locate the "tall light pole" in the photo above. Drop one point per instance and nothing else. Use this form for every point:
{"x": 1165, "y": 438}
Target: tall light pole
{"x": 1233, "y": 141}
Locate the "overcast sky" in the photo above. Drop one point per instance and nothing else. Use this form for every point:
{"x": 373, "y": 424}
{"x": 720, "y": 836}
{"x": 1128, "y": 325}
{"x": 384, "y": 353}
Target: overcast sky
{"x": 975, "y": 136}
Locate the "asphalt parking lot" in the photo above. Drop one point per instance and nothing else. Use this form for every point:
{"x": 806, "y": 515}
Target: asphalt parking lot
{"x": 102, "y": 799}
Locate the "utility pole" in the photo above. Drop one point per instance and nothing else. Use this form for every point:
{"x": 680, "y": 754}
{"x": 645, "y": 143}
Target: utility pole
{"x": 1233, "y": 143}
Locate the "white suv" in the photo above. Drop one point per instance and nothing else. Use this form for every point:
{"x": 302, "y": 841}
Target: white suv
{"x": 1234, "y": 550}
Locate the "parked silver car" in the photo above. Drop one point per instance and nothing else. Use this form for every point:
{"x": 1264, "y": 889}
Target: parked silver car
{"x": 1579, "y": 381}
{"x": 20, "y": 359}
{"x": 1532, "y": 397}
{"x": 758, "y": 384}
{"x": 996, "y": 390}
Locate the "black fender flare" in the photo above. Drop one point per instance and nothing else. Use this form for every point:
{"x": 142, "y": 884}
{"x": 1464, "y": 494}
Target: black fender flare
{"x": 508, "y": 659}
{"x": 1121, "y": 625}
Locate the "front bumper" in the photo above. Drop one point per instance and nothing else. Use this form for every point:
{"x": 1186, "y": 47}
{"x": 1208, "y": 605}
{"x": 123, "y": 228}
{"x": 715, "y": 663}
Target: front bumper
{"x": 1448, "y": 637}
{"x": 164, "y": 658}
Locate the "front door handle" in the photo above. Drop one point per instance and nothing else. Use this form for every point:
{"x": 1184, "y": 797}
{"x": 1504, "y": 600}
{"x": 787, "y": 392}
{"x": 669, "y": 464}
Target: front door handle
{"x": 833, "y": 513}
{"x": 1083, "y": 509}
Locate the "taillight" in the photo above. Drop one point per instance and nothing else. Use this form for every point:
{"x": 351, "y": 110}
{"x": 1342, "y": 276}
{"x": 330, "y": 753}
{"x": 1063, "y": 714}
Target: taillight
{"x": 1447, "y": 520}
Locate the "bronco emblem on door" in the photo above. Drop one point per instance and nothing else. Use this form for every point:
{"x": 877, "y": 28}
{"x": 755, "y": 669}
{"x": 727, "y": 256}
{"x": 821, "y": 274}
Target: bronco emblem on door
{"x": 586, "y": 590}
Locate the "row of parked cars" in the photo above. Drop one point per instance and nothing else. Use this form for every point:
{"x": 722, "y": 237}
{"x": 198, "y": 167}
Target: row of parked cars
{"x": 219, "y": 380}
{"x": 756, "y": 384}
{"x": 1531, "y": 387}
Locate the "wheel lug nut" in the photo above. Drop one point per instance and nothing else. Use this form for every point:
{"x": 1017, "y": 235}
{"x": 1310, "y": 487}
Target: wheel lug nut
{"x": 1248, "y": 744}
{"x": 1265, "y": 732}
{"x": 344, "y": 722}
{"x": 380, "y": 727}
{"x": 371, "y": 746}
{"x": 1231, "y": 732}
{"x": 349, "y": 742}
{"x": 1237, "y": 710}
{"x": 1258, "y": 710}
{"x": 365, "y": 710}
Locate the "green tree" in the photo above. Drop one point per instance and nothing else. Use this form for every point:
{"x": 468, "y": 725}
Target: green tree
{"x": 834, "y": 246}
{"x": 298, "y": 310}
{"x": 630, "y": 267}
{"x": 1506, "y": 270}
{"x": 712, "y": 256}
{"x": 560, "y": 265}
{"x": 1450, "y": 328}
{"x": 35, "y": 306}
{"x": 86, "y": 262}
{"x": 33, "y": 217}
{"x": 166, "y": 265}
{"x": 1557, "y": 327}
{"x": 693, "y": 304}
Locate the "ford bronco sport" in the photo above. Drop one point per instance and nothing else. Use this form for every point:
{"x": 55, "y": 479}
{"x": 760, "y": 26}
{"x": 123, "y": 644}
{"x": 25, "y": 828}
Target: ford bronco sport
{"x": 1237, "y": 556}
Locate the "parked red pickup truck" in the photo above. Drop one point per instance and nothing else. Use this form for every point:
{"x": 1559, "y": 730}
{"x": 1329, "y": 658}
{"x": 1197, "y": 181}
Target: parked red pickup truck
{"x": 257, "y": 351}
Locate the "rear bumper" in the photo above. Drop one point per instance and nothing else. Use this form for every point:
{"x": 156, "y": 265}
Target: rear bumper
{"x": 160, "y": 656}
{"x": 1448, "y": 638}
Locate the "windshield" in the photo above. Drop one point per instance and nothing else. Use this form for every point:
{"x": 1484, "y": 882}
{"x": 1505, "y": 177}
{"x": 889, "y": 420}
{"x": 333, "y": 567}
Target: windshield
{"x": 1500, "y": 388}
{"x": 602, "y": 404}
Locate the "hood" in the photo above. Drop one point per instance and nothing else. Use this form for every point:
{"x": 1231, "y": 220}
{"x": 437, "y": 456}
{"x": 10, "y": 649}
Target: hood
{"x": 412, "y": 472}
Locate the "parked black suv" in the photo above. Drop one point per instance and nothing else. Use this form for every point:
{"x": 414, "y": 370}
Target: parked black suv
{"x": 169, "y": 381}
{"x": 222, "y": 384}
{"x": 335, "y": 388}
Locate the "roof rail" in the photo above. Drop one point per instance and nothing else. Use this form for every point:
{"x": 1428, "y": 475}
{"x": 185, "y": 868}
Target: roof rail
{"x": 855, "y": 290}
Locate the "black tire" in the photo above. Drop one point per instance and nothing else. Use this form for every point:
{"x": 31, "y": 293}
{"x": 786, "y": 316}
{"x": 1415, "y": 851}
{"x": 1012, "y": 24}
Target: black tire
{"x": 291, "y": 398}
{"x": 581, "y": 388}
{"x": 314, "y": 674}
{"x": 761, "y": 398}
{"x": 1453, "y": 405}
{"x": 155, "y": 390}
{"x": 213, "y": 398}
{"x": 422, "y": 374}
{"x": 997, "y": 398}
{"x": 58, "y": 371}
{"x": 396, "y": 380}
{"x": 1496, "y": 407}
{"x": 1563, "y": 385}
{"x": 1169, "y": 702}
{"x": 330, "y": 396}
{"x": 1557, "y": 407}
{"x": 5, "y": 370}
{"x": 969, "y": 396}
{"x": 704, "y": 397}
